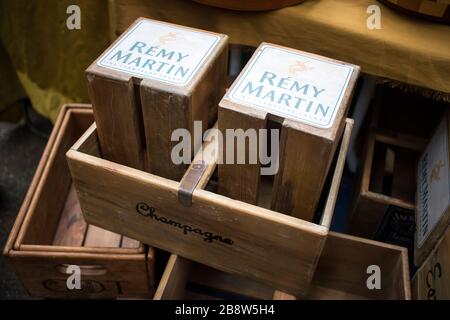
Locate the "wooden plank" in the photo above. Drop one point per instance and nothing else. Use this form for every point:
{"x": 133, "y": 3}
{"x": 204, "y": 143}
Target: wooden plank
{"x": 239, "y": 181}
{"x": 167, "y": 107}
{"x": 71, "y": 227}
{"x": 344, "y": 262}
{"x": 173, "y": 280}
{"x": 341, "y": 274}
{"x": 98, "y": 237}
{"x": 129, "y": 243}
{"x": 118, "y": 121}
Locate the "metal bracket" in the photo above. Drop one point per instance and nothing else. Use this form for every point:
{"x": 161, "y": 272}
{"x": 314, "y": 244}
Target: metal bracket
{"x": 190, "y": 182}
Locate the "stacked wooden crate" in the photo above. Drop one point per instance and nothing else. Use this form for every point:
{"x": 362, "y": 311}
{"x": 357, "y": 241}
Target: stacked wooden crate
{"x": 253, "y": 229}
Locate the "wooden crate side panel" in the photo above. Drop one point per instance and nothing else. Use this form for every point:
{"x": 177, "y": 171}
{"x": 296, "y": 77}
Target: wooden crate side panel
{"x": 344, "y": 262}
{"x": 210, "y": 90}
{"x": 304, "y": 163}
{"x": 277, "y": 249}
{"x": 238, "y": 181}
{"x": 117, "y": 117}
{"x": 173, "y": 281}
{"x": 44, "y": 274}
{"x": 40, "y": 226}
{"x": 367, "y": 215}
{"x": 163, "y": 112}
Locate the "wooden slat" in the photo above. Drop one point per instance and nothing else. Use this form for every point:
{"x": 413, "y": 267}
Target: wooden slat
{"x": 239, "y": 181}
{"x": 98, "y": 237}
{"x": 263, "y": 240}
{"x": 271, "y": 247}
{"x": 117, "y": 117}
{"x": 71, "y": 227}
{"x": 129, "y": 243}
{"x": 173, "y": 281}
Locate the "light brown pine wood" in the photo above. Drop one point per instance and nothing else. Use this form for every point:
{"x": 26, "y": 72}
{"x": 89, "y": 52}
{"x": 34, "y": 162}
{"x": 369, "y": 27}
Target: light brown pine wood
{"x": 136, "y": 115}
{"x": 47, "y": 236}
{"x": 230, "y": 235}
{"x": 370, "y": 204}
{"x": 341, "y": 274}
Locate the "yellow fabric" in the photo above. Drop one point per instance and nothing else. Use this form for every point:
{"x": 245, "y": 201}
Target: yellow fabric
{"x": 49, "y": 58}
{"x": 406, "y": 49}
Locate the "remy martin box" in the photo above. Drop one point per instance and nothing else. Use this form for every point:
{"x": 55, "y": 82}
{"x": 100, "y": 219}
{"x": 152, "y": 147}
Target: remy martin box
{"x": 304, "y": 96}
{"x": 155, "y": 78}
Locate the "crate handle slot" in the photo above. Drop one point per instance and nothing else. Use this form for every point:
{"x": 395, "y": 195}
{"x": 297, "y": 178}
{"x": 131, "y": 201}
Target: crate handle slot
{"x": 87, "y": 270}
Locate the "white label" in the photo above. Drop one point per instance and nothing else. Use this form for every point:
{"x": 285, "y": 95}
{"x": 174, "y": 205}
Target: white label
{"x": 159, "y": 51}
{"x": 433, "y": 188}
{"x": 293, "y": 85}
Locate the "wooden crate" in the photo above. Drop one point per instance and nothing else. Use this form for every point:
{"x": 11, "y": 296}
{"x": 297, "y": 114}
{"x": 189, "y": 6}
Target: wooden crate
{"x": 291, "y": 91}
{"x": 432, "y": 280}
{"x": 50, "y": 233}
{"x": 383, "y": 204}
{"x": 182, "y": 218}
{"x": 155, "y": 78}
{"x": 341, "y": 274}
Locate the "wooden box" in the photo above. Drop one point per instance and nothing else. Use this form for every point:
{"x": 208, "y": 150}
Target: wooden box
{"x": 433, "y": 191}
{"x": 183, "y": 218}
{"x": 383, "y": 204}
{"x": 432, "y": 280}
{"x": 341, "y": 274}
{"x": 155, "y": 78}
{"x": 303, "y": 96}
{"x": 50, "y": 234}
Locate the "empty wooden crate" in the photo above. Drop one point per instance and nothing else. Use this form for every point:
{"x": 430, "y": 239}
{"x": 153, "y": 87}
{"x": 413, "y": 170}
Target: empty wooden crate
{"x": 341, "y": 274}
{"x": 182, "y": 218}
{"x": 384, "y": 199}
{"x": 50, "y": 234}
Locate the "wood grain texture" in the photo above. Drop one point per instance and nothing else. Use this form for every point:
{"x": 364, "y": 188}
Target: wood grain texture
{"x": 370, "y": 203}
{"x": 39, "y": 262}
{"x": 274, "y": 248}
{"x": 238, "y": 181}
{"x": 306, "y": 151}
{"x": 341, "y": 274}
{"x": 98, "y": 237}
{"x": 71, "y": 227}
{"x": 117, "y": 117}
